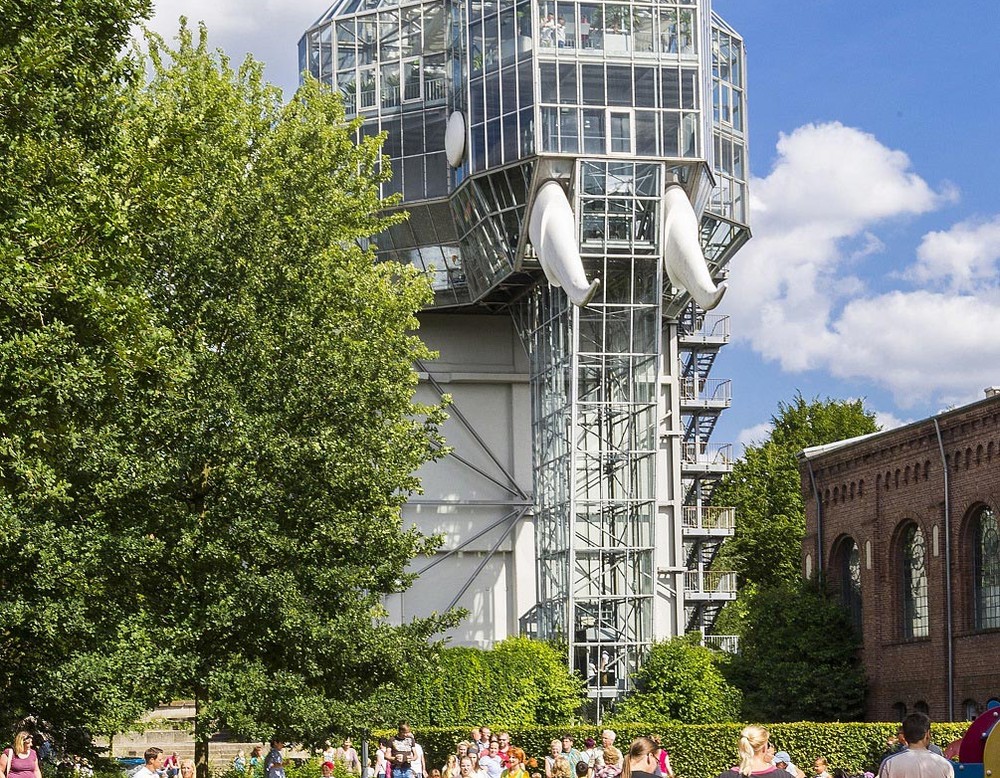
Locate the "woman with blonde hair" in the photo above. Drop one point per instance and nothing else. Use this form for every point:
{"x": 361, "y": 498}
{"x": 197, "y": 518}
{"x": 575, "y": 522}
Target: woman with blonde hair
{"x": 555, "y": 752}
{"x": 20, "y": 760}
{"x": 450, "y": 769}
{"x": 756, "y": 755}
{"x": 561, "y": 768}
{"x": 639, "y": 762}
{"x": 612, "y": 766}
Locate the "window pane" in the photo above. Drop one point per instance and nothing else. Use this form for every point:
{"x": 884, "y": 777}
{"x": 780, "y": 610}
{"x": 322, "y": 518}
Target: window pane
{"x": 619, "y": 85}
{"x": 568, "y": 130}
{"x": 567, "y": 84}
{"x": 592, "y": 81}
{"x": 915, "y": 606}
{"x": 621, "y": 133}
{"x": 987, "y": 571}
{"x": 645, "y": 133}
{"x": 593, "y": 131}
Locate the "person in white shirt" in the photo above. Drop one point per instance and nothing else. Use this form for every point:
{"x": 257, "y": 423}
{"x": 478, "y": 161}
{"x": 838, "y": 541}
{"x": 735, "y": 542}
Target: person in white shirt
{"x": 916, "y": 761}
{"x": 490, "y": 761}
{"x": 417, "y": 764}
{"x": 153, "y": 765}
{"x": 783, "y": 761}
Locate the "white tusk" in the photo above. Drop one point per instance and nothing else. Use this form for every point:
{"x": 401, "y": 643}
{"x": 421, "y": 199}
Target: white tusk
{"x": 682, "y": 255}
{"x": 551, "y": 230}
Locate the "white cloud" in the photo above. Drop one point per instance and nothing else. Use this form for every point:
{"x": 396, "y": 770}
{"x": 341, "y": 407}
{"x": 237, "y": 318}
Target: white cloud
{"x": 800, "y": 295}
{"x": 964, "y": 257}
{"x": 889, "y": 421}
{"x": 270, "y": 29}
{"x": 753, "y": 436}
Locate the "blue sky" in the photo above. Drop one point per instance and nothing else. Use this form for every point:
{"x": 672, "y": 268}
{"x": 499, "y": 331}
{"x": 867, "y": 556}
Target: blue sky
{"x": 875, "y": 201}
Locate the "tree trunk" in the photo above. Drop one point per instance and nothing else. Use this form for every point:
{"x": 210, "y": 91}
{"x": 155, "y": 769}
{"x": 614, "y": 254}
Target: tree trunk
{"x": 201, "y": 737}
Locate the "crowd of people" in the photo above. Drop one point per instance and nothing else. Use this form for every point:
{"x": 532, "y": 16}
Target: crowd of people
{"x": 485, "y": 754}
{"x": 488, "y": 754}
{"x": 911, "y": 754}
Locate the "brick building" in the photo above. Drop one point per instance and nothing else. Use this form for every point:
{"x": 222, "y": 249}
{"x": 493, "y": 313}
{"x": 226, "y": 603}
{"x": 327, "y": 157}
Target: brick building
{"x": 903, "y": 524}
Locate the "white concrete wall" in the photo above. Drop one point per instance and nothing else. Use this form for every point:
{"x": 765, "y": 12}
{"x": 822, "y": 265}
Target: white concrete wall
{"x": 483, "y": 366}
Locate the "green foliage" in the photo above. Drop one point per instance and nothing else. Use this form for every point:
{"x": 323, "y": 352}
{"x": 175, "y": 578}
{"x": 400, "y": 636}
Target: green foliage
{"x": 79, "y": 344}
{"x": 765, "y": 488}
{"x": 799, "y": 658}
{"x": 287, "y": 444}
{"x": 680, "y": 681}
{"x": 766, "y": 551}
{"x": 800, "y": 424}
{"x": 518, "y": 682}
{"x": 700, "y": 750}
{"x": 311, "y": 768}
{"x": 207, "y": 425}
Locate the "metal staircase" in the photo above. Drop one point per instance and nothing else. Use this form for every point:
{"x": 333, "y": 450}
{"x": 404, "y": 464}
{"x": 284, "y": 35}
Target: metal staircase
{"x": 704, "y": 527}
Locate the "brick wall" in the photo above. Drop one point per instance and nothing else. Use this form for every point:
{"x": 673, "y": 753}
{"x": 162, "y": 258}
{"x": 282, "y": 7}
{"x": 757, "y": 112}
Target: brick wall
{"x": 869, "y": 490}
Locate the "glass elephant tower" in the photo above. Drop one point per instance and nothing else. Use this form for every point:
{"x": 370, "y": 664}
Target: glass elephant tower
{"x": 578, "y": 166}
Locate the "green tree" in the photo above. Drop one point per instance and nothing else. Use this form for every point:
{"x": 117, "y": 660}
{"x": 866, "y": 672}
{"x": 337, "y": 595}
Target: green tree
{"x": 680, "y": 681}
{"x": 79, "y": 343}
{"x": 207, "y": 427}
{"x": 765, "y": 488}
{"x": 277, "y": 464}
{"x": 798, "y": 658}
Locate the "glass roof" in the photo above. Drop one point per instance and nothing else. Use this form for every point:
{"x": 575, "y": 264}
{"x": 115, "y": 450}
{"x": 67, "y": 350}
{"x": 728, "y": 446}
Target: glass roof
{"x": 344, "y": 7}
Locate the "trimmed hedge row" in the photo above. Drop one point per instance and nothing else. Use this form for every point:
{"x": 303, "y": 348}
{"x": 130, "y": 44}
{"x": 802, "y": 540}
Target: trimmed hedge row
{"x": 706, "y": 750}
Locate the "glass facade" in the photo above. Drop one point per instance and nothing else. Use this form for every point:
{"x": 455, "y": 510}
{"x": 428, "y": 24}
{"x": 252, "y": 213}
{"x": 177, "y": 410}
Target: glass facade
{"x": 616, "y": 101}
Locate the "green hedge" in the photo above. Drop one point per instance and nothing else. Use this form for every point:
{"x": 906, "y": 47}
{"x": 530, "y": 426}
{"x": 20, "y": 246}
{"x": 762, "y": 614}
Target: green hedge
{"x": 706, "y": 750}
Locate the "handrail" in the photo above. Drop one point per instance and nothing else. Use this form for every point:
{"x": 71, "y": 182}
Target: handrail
{"x": 708, "y": 517}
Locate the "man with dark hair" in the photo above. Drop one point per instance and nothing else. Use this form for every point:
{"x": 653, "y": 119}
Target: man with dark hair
{"x": 153, "y": 765}
{"x": 401, "y": 750}
{"x": 571, "y": 754}
{"x": 274, "y": 762}
{"x": 916, "y": 761}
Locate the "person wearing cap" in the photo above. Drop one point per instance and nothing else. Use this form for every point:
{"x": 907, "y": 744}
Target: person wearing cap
{"x": 327, "y": 769}
{"x": 783, "y": 760}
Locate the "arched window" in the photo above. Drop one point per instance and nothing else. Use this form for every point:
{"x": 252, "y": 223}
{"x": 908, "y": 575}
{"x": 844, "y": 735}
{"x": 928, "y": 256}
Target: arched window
{"x": 914, "y": 567}
{"x": 986, "y": 548}
{"x": 849, "y": 561}
{"x": 921, "y": 707}
{"x": 899, "y": 708}
{"x": 970, "y": 709}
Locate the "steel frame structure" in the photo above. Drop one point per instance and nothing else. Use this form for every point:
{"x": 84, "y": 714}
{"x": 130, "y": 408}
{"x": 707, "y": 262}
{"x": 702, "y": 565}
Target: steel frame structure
{"x": 619, "y": 101}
